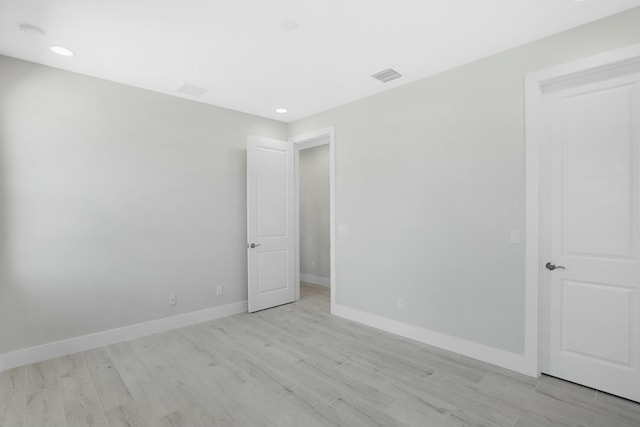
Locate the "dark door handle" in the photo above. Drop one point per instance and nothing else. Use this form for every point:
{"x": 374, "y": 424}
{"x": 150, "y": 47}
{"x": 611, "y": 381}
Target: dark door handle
{"x": 551, "y": 266}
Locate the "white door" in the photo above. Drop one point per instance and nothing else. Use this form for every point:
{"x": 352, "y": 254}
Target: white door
{"x": 270, "y": 223}
{"x": 591, "y": 228}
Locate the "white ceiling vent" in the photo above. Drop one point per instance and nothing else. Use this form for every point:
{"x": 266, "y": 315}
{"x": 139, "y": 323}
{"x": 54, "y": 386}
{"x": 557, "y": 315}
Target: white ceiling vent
{"x": 386, "y": 75}
{"x": 190, "y": 90}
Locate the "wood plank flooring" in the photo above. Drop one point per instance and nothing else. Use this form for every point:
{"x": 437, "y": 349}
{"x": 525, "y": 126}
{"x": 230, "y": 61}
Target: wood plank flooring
{"x": 294, "y": 365}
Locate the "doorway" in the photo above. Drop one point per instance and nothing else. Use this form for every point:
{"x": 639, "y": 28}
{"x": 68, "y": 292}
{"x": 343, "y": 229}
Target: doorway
{"x": 273, "y": 218}
{"x": 313, "y": 200}
{"x": 315, "y": 209}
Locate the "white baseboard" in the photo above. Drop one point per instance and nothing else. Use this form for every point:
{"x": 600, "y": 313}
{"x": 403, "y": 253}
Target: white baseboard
{"x": 52, "y": 350}
{"x": 316, "y": 280}
{"x": 512, "y": 361}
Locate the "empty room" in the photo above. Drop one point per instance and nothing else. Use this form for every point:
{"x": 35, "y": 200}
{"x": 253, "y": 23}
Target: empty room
{"x": 320, "y": 213}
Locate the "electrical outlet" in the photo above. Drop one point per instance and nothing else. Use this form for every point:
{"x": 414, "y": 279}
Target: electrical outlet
{"x": 172, "y": 299}
{"x": 514, "y": 237}
{"x": 313, "y": 264}
{"x": 219, "y": 291}
{"x": 400, "y": 303}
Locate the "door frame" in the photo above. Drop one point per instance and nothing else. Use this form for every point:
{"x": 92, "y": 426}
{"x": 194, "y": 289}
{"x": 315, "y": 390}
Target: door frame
{"x": 301, "y": 142}
{"x": 534, "y": 86}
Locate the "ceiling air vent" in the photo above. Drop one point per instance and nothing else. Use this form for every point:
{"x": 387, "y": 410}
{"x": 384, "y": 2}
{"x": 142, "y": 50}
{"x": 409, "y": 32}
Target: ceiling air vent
{"x": 386, "y": 75}
{"x": 190, "y": 90}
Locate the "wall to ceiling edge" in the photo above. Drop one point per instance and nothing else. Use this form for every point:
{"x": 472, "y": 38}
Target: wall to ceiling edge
{"x": 430, "y": 180}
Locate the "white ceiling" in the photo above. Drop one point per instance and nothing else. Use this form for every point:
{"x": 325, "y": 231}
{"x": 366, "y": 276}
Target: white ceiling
{"x": 239, "y": 51}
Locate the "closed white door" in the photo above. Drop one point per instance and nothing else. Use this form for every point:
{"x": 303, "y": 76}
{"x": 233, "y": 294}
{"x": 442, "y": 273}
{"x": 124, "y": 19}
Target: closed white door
{"x": 270, "y": 223}
{"x": 591, "y": 195}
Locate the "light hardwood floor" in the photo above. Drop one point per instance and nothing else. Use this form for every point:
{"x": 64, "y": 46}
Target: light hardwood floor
{"x": 294, "y": 365}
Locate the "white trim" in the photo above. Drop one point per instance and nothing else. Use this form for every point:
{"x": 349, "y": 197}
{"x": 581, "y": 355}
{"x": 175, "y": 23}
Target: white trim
{"x": 308, "y": 140}
{"x": 316, "y": 280}
{"x": 513, "y": 361}
{"x": 534, "y": 85}
{"x": 52, "y": 350}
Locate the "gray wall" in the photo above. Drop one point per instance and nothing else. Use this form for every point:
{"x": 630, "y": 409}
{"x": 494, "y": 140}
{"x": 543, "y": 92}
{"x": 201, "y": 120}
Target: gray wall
{"x": 430, "y": 180}
{"x": 112, "y": 198}
{"x": 314, "y": 211}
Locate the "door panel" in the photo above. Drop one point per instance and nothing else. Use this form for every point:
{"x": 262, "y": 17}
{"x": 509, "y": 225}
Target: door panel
{"x": 598, "y": 197}
{"x": 272, "y": 271}
{"x": 591, "y": 193}
{"x": 272, "y": 192}
{"x": 270, "y": 223}
{"x": 587, "y": 332}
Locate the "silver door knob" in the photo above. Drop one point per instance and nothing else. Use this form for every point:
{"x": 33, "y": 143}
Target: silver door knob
{"x": 253, "y": 245}
{"x": 551, "y": 266}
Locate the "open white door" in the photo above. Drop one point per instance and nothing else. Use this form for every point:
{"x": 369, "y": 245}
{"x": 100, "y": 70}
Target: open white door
{"x": 592, "y": 223}
{"x": 270, "y": 223}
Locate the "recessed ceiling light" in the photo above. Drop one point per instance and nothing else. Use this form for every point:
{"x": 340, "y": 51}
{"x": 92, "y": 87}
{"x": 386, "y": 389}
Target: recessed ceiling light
{"x": 281, "y": 110}
{"x": 61, "y": 50}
